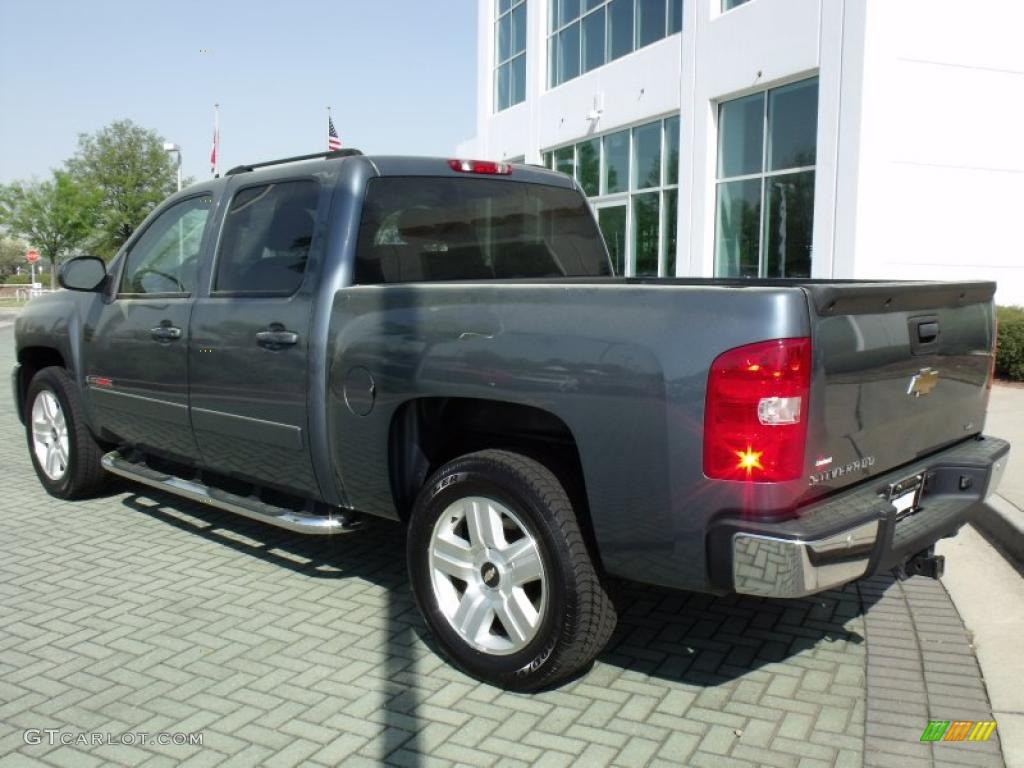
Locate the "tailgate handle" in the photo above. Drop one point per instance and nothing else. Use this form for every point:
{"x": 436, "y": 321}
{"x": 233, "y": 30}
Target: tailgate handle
{"x": 928, "y": 331}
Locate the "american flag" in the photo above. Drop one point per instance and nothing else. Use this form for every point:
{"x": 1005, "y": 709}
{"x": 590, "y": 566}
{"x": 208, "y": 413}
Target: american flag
{"x": 333, "y": 140}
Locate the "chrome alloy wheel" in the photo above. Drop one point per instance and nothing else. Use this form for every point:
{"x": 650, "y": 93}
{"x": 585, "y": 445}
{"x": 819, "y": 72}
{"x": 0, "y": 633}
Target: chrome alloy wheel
{"x": 487, "y": 575}
{"x": 50, "y": 435}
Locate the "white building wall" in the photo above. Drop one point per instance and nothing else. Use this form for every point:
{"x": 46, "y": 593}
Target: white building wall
{"x": 758, "y": 45}
{"x": 941, "y": 176}
{"x": 920, "y": 155}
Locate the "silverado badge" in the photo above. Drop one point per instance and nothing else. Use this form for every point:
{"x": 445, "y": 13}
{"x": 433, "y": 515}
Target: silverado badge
{"x": 923, "y": 382}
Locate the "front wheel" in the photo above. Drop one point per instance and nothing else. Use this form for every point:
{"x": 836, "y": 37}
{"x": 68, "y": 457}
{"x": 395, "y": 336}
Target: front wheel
{"x": 64, "y": 453}
{"x": 501, "y": 572}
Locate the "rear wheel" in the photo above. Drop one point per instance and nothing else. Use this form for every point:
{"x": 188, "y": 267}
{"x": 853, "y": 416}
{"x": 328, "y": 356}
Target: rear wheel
{"x": 64, "y": 454}
{"x": 501, "y": 572}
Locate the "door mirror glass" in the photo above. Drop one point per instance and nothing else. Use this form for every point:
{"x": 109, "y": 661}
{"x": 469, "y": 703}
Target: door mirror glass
{"x": 84, "y": 273}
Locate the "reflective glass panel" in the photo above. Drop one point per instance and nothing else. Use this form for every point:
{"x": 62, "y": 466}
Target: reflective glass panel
{"x": 645, "y": 233}
{"x": 650, "y": 21}
{"x": 593, "y": 40}
{"x": 793, "y": 125}
{"x": 647, "y": 156}
{"x": 675, "y": 15}
{"x": 501, "y": 87}
{"x": 671, "y": 222}
{"x": 740, "y": 136}
{"x": 569, "y": 53}
{"x": 517, "y": 80}
{"x": 620, "y": 28}
{"x": 672, "y": 150}
{"x": 612, "y": 221}
{"x": 564, "y": 162}
{"x": 504, "y": 46}
{"x": 616, "y": 162}
{"x": 588, "y": 166}
{"x": 788, "y": 224}
{"x": 518, "y": 32}
{"x": 738, "y": 219}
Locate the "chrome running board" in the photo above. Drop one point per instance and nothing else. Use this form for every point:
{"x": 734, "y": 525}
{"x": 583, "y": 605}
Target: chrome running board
{"x": 249, "y": 507}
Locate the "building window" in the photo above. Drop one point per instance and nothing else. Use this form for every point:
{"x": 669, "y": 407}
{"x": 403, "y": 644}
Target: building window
{"x": 632, "y": 180}
{"x": 764, "y": 212}
{"x": 584, "y": 34}
{"x": 509, "y": 53}
{"x": 728, "y": 5}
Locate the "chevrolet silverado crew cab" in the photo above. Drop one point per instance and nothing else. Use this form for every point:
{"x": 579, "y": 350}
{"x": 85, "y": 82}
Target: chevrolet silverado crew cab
{"x": 444, "y": 343}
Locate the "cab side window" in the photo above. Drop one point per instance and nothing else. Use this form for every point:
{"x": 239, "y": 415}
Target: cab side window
{"x": 266, "y": 238}
{"x": 164, "y": 260}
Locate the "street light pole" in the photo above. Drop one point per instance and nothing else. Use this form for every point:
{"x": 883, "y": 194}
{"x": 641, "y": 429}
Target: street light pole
{"x": 170, "y": 146}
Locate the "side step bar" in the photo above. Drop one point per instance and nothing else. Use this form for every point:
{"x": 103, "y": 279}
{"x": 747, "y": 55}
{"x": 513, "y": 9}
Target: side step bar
{"x": 249, "y": 507}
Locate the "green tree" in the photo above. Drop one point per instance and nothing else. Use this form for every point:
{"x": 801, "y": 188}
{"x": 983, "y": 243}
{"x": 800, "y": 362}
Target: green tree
{"x": 127, "y": 167}
{"x": 12, "y": 255}
{"x": 55, "y": 216}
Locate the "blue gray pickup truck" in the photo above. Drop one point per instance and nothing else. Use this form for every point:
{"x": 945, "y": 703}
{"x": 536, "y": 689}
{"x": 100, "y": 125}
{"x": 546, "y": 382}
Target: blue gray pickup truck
{"x": 443, "y": 343}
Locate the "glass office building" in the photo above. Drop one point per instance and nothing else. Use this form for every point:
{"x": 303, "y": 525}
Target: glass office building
{"x": 768, "y": 138}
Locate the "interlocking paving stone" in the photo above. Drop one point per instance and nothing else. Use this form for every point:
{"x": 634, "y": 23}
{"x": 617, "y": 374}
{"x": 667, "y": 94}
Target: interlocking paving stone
{"x": 139, "y": 611}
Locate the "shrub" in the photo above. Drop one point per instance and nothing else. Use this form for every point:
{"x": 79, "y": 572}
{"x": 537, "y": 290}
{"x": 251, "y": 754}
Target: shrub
{"x": 1010, "y": 357}
{"x": 23, "y": 279}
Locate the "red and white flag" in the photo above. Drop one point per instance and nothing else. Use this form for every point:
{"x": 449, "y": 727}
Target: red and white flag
{"x": 215, "y": 149}
{"x": 333, "y": 140}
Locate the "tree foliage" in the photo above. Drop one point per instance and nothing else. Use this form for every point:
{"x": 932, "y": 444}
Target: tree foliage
{"x": 126, "y": 166}
{"x": 12, "y": 255}
{"x": 55, "y": 216}
{"x": 1010, "y": 354}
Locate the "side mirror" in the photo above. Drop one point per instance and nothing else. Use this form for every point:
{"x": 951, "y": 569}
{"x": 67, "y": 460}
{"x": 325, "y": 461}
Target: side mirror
{"x": 83, "y": 273}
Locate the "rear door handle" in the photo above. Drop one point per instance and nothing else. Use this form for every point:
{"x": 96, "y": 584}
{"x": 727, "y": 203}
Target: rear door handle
{"x": 165, "y": 333}
{"x": 275, "y": 337}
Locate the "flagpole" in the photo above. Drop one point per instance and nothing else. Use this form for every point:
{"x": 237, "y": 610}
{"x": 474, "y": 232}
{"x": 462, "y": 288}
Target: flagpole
{"x": 328, "y": 127}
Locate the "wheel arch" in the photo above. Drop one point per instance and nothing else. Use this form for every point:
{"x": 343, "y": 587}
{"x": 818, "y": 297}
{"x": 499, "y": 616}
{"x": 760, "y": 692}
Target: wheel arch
{"x": 31, "y": 360}
{"x": 427, "y": 432}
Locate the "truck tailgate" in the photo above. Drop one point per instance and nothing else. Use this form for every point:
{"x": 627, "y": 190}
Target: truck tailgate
{"x": 902, "y": 370}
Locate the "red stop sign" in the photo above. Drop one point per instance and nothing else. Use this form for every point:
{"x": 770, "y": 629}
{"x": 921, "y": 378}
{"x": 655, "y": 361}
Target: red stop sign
{"x": 32, "y": 256}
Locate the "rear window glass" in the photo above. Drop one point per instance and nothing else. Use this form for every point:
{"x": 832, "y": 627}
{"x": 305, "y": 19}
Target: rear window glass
{"x": 420, "y": 229}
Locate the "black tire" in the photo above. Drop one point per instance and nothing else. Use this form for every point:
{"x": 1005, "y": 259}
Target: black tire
{"x": 578, "y": 618}
{"x": 83, "y": 475}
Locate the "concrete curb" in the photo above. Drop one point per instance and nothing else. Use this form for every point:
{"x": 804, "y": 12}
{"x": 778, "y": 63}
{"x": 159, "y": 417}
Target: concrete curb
{"x": 1003, "y": 524}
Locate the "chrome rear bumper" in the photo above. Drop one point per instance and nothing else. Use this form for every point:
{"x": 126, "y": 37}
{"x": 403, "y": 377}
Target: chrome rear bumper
{"x": 762, "y": 565}
{"x": 855, "y": 533}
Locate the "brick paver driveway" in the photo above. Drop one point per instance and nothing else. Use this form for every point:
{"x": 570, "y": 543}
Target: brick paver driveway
{"x": 139, "y": 612}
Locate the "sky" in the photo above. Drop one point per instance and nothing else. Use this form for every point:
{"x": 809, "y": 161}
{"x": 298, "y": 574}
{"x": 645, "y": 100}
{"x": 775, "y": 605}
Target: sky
{"x": 400, "y": 76}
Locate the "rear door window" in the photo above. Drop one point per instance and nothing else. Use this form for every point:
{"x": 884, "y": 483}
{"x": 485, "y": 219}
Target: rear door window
{"x": 421, "y": 229}
{"x": 266, "y": 237}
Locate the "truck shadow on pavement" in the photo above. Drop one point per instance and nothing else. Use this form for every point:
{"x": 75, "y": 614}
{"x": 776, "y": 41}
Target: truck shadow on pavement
{"x": 672, "y": 637}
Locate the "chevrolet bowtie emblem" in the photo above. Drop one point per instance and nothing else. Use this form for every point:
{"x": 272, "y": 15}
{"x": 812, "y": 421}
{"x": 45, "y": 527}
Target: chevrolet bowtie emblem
{"x": 923, "y": 382}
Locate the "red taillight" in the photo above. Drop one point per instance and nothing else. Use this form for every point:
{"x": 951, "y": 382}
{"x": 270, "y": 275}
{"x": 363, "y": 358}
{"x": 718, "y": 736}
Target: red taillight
{"x": 480, "y": 166}
{"x": 755, "y": 418}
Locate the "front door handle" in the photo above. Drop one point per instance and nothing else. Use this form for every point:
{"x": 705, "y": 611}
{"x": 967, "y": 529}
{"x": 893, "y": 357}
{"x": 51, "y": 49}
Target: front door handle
{"x": 276, "y": 337}
{"x": 165, "y": 333}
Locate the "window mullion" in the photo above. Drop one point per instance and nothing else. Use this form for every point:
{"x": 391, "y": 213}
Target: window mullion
{"x": 761, "y": 266}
